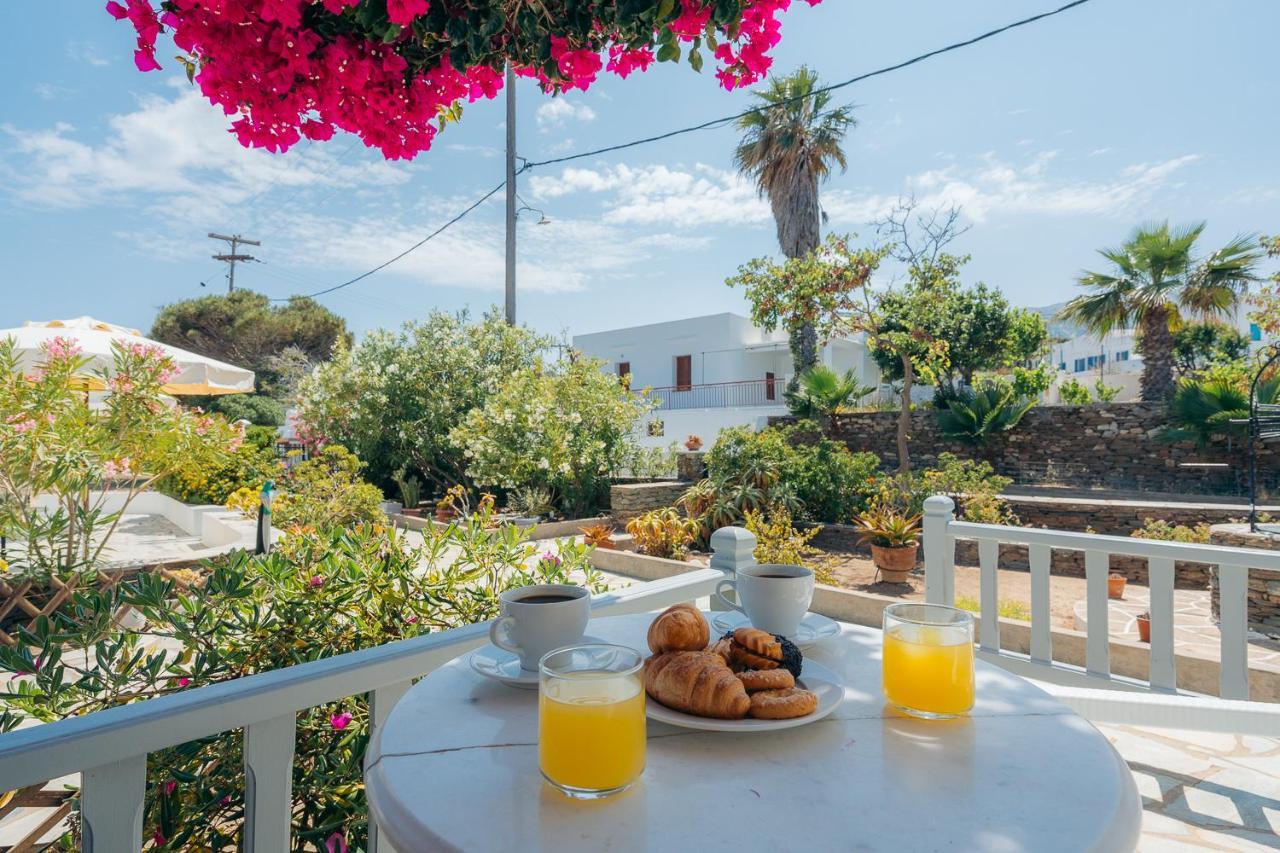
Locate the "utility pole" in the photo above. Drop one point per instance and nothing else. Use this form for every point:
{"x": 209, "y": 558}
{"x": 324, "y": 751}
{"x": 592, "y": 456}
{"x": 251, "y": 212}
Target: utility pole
{"x": 511, "y": 195}
{"x": 231, "y": 258}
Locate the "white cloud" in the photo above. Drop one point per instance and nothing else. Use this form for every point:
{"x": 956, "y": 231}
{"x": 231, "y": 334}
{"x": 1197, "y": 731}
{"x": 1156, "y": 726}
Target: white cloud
{"x": 996, "y": 187}
{"x": 173, "y": 152}
{"x": 557, "y": 112}
{"x": 661, "y": 195}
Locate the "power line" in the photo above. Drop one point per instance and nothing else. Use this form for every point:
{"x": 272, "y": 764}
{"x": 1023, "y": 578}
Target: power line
{"x": 412, "y": 248}
{"x": 526, "y": 164}
{"x": 233, "y": 257}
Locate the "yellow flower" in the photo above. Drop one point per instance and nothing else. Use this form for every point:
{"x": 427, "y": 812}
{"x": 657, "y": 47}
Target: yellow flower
{"x": 4, "y": 567}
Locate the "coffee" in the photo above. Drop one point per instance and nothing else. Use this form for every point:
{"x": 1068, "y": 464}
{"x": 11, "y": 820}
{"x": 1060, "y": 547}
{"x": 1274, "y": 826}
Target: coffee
{"x": 545, "y": 599}
{"x": 781, "y": 577}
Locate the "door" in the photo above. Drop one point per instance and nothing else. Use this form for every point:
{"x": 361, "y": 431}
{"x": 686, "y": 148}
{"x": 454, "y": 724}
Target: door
{"x": 769, "y": 388}
{"x": 684, "y": 372}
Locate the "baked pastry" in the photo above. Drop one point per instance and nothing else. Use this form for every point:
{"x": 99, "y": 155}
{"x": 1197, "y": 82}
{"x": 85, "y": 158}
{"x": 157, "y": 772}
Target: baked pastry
{"x": 679, "y": 628}
{"x": 722, "y": 647}
{"x": 766, "y": 679}
{"x": 784, "y": 704}
{"x": 698, "y": 683}
{"x": 760, "y": 642}
{"x": 744, "y": 658}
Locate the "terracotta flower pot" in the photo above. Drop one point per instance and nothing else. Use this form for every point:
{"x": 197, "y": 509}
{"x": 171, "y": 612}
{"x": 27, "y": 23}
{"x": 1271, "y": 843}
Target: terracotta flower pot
{"x": 416, "y": 512}
{"x": 445, "y": 515}
{"x": 895, "y": 564}
{"x": 1144, "y": 629}
{"x": 1115, "y": 586}
{"x": 608, "y": 544}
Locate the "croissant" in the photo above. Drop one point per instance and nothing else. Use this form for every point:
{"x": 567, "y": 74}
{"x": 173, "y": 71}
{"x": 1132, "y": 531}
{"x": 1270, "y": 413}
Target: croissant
{"x": 679, "y": 628}
{"x": 698, "y": 683}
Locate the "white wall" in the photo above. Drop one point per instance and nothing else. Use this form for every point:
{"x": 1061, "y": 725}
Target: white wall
{"x": 704, "y": 423}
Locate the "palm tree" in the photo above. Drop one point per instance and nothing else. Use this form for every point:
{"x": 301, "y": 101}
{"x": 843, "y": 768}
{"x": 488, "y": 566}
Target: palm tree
{"x": 821, "y": 391}
{"x": 789, "y": 146}
{"x": 1155, "y": 281}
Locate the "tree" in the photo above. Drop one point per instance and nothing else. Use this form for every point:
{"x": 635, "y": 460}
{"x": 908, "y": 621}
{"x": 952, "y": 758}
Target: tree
{"x": 1197, "y": 345}
{"x": 788, "y": 148}
{"x": 1265, "y": 304}
{"x": 396, "y": 72}
{"x": 243, "y": 328}
{"x": 1154, "y": 281}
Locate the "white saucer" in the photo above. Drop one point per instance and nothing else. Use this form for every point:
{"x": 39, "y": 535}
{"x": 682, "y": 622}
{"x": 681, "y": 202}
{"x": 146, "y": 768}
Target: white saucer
{"x": 814, "y": 677}
{"x": 501, "y": 665}
{"x": 814, "y": 627}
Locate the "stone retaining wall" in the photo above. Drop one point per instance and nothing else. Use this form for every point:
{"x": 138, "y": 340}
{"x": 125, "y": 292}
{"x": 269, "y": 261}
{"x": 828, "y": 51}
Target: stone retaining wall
{"x": 1110, "y": 444}
{"x": 1264, "y": 587}
{"x": 631, "y": 499}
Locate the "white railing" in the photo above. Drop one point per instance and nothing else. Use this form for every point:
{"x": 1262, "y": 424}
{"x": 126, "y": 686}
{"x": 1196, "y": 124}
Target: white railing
{"x": 1078, "y": 686}
{"x": 109, "y": 748}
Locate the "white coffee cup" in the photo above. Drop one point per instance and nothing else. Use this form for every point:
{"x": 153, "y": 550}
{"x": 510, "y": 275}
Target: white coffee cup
{"x": 537, "y": 619}
{"x": 775, "y": 598}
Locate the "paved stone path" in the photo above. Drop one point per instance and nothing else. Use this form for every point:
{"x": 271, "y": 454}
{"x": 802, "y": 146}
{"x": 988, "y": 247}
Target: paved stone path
{"x": 1194, "y": 631}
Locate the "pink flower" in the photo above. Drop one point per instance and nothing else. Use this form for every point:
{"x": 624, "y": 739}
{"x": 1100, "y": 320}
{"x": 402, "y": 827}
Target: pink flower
{"x": 24, "y": 426}
{"x": 169, "y": 786}
{"x": 403, "y": 12}
{"x": 182, "y": 682}
{"x": 316, "y": 581}
{"x": 35, "y": 667}
{"x": 412, "y": 620}
{"x": 61, "y": 347}
{"x": 336, "y": 843}
{"x": 116, "y": 11}
{"x": 340, "y": 721}
{"x": 158, "y": 838}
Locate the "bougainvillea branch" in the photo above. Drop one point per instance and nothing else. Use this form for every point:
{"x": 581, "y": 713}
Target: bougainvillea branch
{"x": 395, "y": 72}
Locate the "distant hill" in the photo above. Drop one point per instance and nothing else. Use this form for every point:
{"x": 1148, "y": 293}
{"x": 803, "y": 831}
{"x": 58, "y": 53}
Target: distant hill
{"x": 1058, "y": 328}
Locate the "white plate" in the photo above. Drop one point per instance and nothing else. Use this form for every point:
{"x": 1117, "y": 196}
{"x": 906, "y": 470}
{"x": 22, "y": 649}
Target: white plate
{"x": 813, "y": 677}
{"x": 814, "y": 627}
{"x": 501, "y": 665}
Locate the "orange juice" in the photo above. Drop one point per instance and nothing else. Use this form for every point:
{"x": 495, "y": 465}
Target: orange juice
{"x": 591, "y": 731}
{"x": 926, "y": 671}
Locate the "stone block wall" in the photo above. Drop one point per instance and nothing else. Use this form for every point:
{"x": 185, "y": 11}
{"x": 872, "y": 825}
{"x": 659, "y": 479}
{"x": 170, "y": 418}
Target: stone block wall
{"x": 691, "y": 465}
{"x": 1116, "y": 443}
{"x": 1264, "y": 587}
{"x": 627, "y": 500}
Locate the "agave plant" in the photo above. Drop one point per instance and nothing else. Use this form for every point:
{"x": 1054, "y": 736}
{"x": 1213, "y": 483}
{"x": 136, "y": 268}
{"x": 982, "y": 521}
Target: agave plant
{"x": 1199, "y": 411}
{"x": 887, "y": 527}
{"x": 821, "y": 392}
{"x": 973, "y": 416}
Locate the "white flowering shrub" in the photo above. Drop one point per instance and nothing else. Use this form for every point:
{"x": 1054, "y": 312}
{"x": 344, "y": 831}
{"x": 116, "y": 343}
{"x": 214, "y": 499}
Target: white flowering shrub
{"x": 394, "y": 398}
{"x": 565, "y": 429}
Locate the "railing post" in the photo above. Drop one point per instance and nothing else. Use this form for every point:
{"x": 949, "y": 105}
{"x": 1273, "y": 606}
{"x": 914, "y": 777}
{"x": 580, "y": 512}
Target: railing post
{"x": 111, "y": 798}
{"x": 939, "y": 551}
{"x": 381, "y": 701}
{"x": 732, "y": 548}
{"x": 268, "y": 776}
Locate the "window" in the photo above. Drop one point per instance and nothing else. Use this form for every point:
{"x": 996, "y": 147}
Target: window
{"x": 684, "y": 372}
{"x": 1079, "y": 366}
{"x": 1123, "y": 355}
{"x": 1091, "y": 362}
{"x": 770, "y": 390}
{"x": 624, "y": 367}
{"x": 1255, "y": 332}
{"x": 1063, "y": 367}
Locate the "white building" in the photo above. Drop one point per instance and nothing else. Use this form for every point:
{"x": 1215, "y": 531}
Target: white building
{"x": 1114, "y": 358}
{"x": 711, "y": 372}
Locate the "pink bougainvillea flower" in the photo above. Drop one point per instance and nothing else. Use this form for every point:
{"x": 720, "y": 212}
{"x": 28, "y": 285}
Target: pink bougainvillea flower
{"x": 340, "y": 721}
{"x": 336, "y": 843}
{"x": 116, "y": 11}
{"x": 403, "y": 12}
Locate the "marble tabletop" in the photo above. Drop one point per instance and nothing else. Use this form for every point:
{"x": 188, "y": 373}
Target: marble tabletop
{"x": 456, "y": 768}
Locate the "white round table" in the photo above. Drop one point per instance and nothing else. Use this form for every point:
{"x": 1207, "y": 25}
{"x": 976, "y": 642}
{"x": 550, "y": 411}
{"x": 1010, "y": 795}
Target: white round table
{"x": 456, "y": 768}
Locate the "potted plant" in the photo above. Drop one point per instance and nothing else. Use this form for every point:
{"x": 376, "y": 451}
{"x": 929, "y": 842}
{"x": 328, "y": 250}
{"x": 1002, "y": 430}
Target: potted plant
{"x": 1144, "y": 626}
{"x": 410, "y": 492}
{"x": 693, "y": 443}
{"x": 1115, "y": 585}
{"x": 894, "y": 538}
{"x": 529, "y": 505}
{"x": 452, "y": 504}
{"x": 599, "y": 536}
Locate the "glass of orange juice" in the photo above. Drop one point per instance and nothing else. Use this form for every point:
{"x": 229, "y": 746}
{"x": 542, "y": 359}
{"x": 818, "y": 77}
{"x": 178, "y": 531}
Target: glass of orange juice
{"x": 591, "y": 727}
{"x": 928, "y": 659}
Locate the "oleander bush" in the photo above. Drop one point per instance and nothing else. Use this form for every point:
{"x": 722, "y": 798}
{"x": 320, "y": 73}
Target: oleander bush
{"x": 321, "y": 493}
{"x": 320, "y": 594}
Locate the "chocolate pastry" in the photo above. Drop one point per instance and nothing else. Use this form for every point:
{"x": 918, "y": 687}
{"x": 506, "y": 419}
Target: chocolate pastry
{"x": 760, "y": 642}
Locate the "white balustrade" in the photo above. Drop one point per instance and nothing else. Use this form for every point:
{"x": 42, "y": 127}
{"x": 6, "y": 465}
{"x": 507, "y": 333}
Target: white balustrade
{"x": 1094, "y": 690}
{"x": 109, "y": 748}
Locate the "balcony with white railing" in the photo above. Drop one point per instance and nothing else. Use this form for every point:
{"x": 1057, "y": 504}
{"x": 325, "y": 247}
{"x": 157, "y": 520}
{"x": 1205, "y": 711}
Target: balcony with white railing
{"x": 720, "y": 395}
{"x": 109, "y": 748}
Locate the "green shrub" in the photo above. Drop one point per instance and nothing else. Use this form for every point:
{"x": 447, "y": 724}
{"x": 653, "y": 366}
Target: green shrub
{"x": 973, "y": 484}
{"x": 317, "y": 596}
{"x": 257, "y": 409}
{"x": 975, "y": 416}
{"x": 246, "y": 468}
{"x": 821, "y": 392}
{"x": 1166, "y": 532}
{"x": 1073, "y": 392}
{"x": 326, "y": 492}
{"x": 1007, "y": 608}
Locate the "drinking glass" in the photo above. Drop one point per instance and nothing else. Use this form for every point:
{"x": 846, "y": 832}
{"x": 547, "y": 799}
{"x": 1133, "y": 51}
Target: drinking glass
{"x": 591, "y": 725}
{"x": 928, "y": 659}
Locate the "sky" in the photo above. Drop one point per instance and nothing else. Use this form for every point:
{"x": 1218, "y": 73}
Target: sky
{"x": 1056, "y": 139}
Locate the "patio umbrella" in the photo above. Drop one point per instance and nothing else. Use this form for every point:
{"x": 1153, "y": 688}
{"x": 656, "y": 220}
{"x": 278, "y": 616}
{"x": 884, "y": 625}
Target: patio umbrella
{"x": 197, "y": 374}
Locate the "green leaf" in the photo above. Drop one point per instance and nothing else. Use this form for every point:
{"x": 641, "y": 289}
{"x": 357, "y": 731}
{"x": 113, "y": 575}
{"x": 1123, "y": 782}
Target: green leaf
{"x": 669, "y": 53}
{"x": 665, "y": 8}
{"x": 695, "y": 60}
